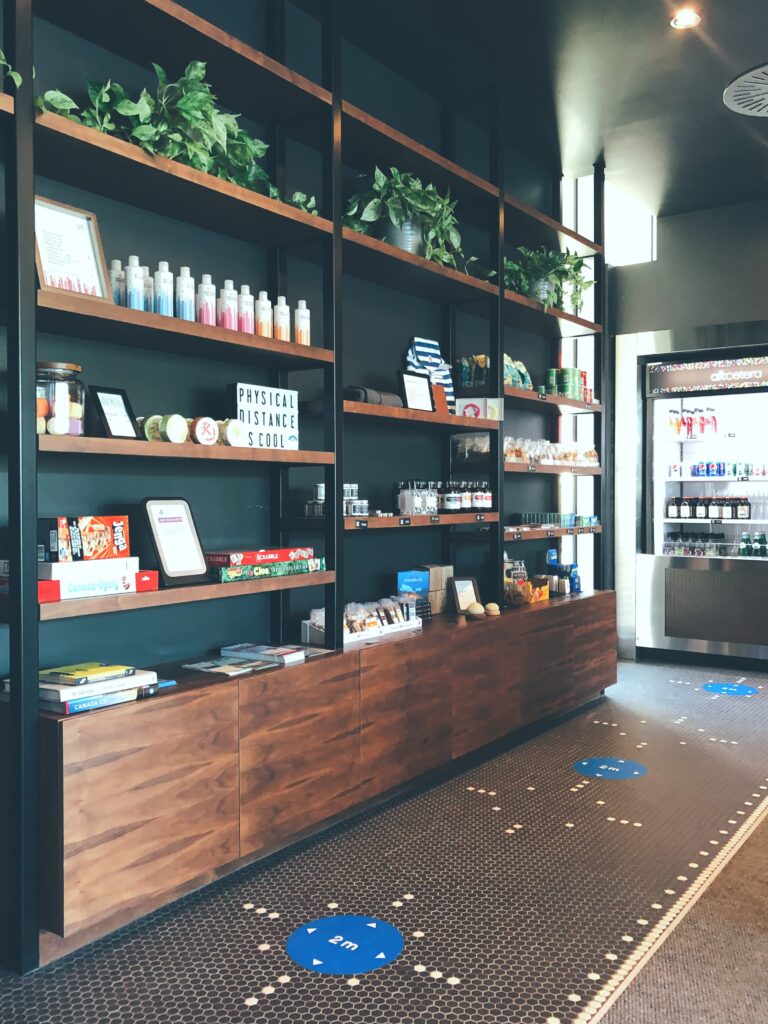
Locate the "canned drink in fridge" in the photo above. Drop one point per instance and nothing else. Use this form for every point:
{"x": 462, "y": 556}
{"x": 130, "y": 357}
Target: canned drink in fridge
{"x": 721, "y": 469}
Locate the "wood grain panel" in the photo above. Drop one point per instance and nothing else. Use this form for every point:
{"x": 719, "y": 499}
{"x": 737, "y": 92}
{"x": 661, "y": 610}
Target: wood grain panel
{"x": 405, "y": 695}
{"x": 128, "y": 448}
{"x": 486, "y": 674}
{"x": 150, "y": 799}
{"x": 299, "y": 748}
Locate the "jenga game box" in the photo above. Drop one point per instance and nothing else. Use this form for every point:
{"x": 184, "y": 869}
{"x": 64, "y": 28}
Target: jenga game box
{"x": 82, "y": 538}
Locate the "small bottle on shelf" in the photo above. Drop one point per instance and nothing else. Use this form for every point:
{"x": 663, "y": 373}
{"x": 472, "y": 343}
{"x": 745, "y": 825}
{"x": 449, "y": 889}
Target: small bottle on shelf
{"x": 149, "y": 291}
{"x": 301, "y": 323}
{"x": 745, "y": 547}
{"x": 206, "y": 301}
{"x": 282, "y": 319}
{"x": 163, "y": 289}
{"x": 246, "y": 321}
{"x": 134, "y": 284}
{"x": 264, "y": 320}
{"x": 743, "y": 508}
{"x": 185, "y": 295}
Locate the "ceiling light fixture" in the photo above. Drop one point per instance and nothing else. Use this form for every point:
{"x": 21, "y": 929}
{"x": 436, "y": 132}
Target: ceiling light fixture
{"x": 686, "y": 17}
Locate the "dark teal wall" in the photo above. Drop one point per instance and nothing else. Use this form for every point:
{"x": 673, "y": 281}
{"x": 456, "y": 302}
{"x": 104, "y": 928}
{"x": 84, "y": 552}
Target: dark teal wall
{"x": 230, "y": 502}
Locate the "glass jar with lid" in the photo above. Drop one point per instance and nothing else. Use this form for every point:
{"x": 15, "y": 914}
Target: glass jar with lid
{"x": 59, "y": 399}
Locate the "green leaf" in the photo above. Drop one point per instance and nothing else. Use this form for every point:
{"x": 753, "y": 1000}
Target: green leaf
{"x": 15, "y": 77}
{"x": 371, "y": 211}
{"x": 59, "y": 100}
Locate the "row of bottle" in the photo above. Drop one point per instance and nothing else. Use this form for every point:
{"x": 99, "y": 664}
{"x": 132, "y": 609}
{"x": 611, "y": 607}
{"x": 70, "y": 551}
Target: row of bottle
{"x": 700, "y": 545}
{"x": 134, "y": 287}
{"x": 420, "y": 497}
{"x": 709, "y": 508}
{"x": 753, "y": 547}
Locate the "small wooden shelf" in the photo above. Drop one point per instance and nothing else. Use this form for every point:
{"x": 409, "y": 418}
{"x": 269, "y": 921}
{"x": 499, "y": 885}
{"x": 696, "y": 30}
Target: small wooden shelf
{"x": 7, "y": 105}
{"x": 549, "y": 403}
{"x": 354, "y": 523}
{"x": 243, "y": 78}
{"x": 87, "y": 159}
{"x": 526, "y": 314}
{"x": 525, "y": 225}
{"x": 67, "y": 445}
{"x": 77, "y": 316}
{"x": 180, "y": 595}
{"x": 385, "y": 264}
{"x": 538, "y": 468}
{"x": 515, "y": 534}
{"x": 367, "y": 141}
{"x": 437, "y": 419}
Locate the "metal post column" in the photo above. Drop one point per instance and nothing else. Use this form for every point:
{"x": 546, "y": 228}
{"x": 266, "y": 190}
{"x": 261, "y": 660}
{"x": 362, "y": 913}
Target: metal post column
{"x": 21, "y": 945}
{"x": 605, "y": 375}
{"x": 496, "y": 552}
{"x": 332, "y": 322}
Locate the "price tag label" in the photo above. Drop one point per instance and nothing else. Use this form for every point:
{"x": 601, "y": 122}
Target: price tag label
{"x": 405, "y": 521}
{"x": 480, "y": 517}
{"x": 570, "y": 533}
{"x": 361, "y": 524}
{"x": 542, "y": 398}
{"x": 551, "y": 533}
{"x": 434, "y": 519}
{"x": 531, "y": 467}
{"x": 716, "y": 522}
{"x": 743, "y": 479}
{"x": 730, "y": 435}
{"x": 592, "y": 529}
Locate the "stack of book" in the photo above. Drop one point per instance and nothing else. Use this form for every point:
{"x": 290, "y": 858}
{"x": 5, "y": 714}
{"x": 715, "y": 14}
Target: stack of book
{"x": 69, "y": 689}
{"x": 234, "y": 566}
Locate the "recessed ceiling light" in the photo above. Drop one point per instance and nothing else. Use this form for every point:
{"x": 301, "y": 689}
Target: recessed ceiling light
{"x": 686, "y": 17}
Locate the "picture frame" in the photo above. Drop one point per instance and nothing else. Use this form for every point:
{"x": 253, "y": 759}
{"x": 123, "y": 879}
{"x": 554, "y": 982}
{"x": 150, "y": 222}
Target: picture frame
{"x": 114, "y": 412}
{"x": 416, "y": 390}
{"x": 465, "y": 593}
{"x": 68, "y": 251}
{"x": 175, "y": 541}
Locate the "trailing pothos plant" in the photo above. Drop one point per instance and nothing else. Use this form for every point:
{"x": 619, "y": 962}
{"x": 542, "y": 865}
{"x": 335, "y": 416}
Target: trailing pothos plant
{"x": 547, "y": 275}
{"x": 400, "y": 197}
{"x": 6, "y": 71}
{"x": 181, "y": 121}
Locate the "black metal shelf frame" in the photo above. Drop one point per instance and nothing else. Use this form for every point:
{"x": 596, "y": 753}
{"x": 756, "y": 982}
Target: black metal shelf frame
{"x": 19, "y": 945}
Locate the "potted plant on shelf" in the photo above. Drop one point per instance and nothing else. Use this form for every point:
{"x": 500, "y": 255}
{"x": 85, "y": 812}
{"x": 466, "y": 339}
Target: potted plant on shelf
{"x": 410, "y": 215}
{"x": 548, "y": 276}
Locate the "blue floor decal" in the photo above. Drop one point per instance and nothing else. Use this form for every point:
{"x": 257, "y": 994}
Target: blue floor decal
{"x": 732, "y": 689}
{"x": 610, "y": 768}
{"x": 345, "y": 944}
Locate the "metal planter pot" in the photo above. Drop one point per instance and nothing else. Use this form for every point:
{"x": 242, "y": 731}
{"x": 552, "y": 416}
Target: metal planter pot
{"x": 409, "y": 237}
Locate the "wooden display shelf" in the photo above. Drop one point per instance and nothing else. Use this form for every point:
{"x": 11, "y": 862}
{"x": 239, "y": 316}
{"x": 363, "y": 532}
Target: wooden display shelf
{"x": 385, "y": 264}
{"x": 243, "y": 78}
{"x": 527, "y": 314}
{"x": 368, "y": 142}
{"x": 550, "y": 403}
{"x": 7, "y": 105}
{"x": 180, "y": 595}
{"x": 515, "y": 534}
{"x": 438, "y": 419}
{"x": 406, "y": 522}
{"x": 77, "y": 316}
{"x": 525, "y": 467}
{"x": 525, "y": 225}
{"x": 90, "y": 160}
{"x": 67, "y": 445}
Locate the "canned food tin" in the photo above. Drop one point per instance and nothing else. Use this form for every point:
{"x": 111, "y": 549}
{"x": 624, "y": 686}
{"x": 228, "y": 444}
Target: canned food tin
{"x": 203, "y": 430}
{"x": 150, "y": 428}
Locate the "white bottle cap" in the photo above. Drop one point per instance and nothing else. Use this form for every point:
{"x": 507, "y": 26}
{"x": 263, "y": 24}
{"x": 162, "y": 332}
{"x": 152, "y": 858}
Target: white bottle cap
{"x": 245, "y": 289}
{"x": 133, "y": 261}
{"x": 116, "y": 265}
{"x": 162, "y": 266}
{"x": 281, "y": 300}
{"x": 263, "y": 296}
{"x": 229, "y": 286}
{"x": 183, "y": 271}
{"x": 206, "y": 279}
{"x": 146, "y": 271}
{"x": 302, "y": 304}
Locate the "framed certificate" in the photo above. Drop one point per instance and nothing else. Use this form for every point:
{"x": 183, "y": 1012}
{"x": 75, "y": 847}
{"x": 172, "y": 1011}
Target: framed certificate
{"x": 174, "y": 537}
{"x": 68, "y": 250}
{"x": 114, "y": 412}
{"x": 417, "y": 391}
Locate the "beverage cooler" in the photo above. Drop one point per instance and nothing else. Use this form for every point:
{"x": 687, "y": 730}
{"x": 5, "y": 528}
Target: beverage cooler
{"x": 702, "y": 570}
